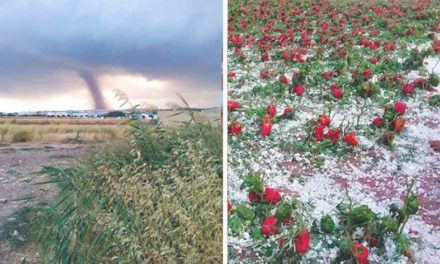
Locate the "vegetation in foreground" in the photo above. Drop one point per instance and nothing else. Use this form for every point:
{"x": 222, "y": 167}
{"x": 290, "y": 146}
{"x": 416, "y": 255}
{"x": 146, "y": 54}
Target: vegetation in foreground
{"x": 156, "y": 197}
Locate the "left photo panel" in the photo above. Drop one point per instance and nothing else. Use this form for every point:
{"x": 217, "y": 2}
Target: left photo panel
{"x": 111, "y": 131}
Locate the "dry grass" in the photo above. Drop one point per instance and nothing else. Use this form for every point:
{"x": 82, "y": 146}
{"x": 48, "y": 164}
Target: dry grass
{"x": 155, "y": 198}
{"x": 38, "y": 130}
{"x": 51, "y": 133}
{"x": 58, "y": 121}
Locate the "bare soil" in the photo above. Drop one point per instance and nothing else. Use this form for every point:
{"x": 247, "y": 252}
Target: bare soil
{"x": 20, "y": 166}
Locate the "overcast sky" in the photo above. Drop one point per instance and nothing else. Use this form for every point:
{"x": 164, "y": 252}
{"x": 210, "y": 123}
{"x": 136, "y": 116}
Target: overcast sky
{"x": 72, "y": 54}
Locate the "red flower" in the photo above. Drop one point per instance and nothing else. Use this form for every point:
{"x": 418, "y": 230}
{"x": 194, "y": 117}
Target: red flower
{"x": 302, "y": 242}
{"x": 231, "y": 75}
{"x": 243, "y": 24}
{"x": 281, "y": 242}
{"x": 333, "y": 135}
{"x": 264, "y": 73}
{"x": 236, "y": 40}
{"x": 420, "y": 82}
{"x": 377, "y": 122}
{"x": 233, "y": 105}
{"x": 253, "y": 197}
{"x": 295, "y": 12}
{"x": 389, "y": 46}
{"x": 367, "y": 74}
{"x": 436, "y": 45}
{"x": 324, "y": 120}
{"x": 271, "y": 196}
{"x": 408, "y": 88}
{"x": 265, "y": 129}
{"x": 269, "y": 227}
{"x": 400, "y": 107}
{"x": 371, "y": 240}
{"x": 289, "y": 221}
{"x": 327, "y": 74}
{"x": 235, "y": 128}
{"x": 283, "y": 79}
{"x": 334, "y": 87}
{"x": 398, "y": 124}
{"x": 351, "y": 139}
{"x": 319, "y": 132}
{"x": 271, "y": 110}
{"x": 287, "y": 111}
{"x": 229, "y": 207}
{"x": 296, "y": 75}
{"x": 337, "y": 93}
{"x": 298, "y": 89}
{"x": 374, "y": 60}
{"x": 360, "y": 252}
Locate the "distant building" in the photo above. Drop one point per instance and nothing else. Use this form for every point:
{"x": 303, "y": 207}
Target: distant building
{"x": 148, "y": 116}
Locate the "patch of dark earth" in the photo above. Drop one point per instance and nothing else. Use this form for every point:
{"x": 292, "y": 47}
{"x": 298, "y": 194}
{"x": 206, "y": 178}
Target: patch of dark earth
{"x": 20, "y": 171}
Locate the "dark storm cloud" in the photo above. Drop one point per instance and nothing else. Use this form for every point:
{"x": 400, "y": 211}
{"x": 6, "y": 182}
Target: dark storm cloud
{"x": 177, "y": 39}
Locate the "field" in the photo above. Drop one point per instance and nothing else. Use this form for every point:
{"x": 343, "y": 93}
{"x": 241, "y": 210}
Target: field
{"x": 333, "y": 131}
{"x": 141, "y": 171}
{"x": 40, "y": 130}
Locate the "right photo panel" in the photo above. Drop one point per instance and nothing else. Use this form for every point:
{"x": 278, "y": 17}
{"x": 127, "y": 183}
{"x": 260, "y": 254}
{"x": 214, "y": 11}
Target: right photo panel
{"x": 333, "y": 131}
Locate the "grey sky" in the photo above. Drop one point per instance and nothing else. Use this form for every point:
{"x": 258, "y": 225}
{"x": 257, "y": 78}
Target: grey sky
{"x": 44, "y": 44}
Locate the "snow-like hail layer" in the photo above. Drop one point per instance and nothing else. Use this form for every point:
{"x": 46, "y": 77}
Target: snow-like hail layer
{"x": 388, "y": 170}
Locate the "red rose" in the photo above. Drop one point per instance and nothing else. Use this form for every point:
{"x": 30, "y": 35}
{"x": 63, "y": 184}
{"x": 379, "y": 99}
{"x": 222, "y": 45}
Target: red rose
{"x": 302, "y": 242}
{"x": 281, "y": 242}
{"x": 235, "y": 128}
{"x": 283, "y": 79}
{"x": 327, "y": 74}
{"x": 337, "y": 93}
{"x": 389, "y": 46}
{"x": 265, "y": 57}
{"x": 351, "y": 139}
{"x": 367, "y": 74}
{"x": 374, "y": 60}
{"x": 289, "y": 221}
{"x": 271, "y": 110}
{"x": 324, "y": 120}
{"x": 420, "y": 82}
{"x": 334, "y": 87}
{"x": 319, "y": 132}
{"x": 398, "y": 124}
{"x": 287, "y": 111}
{"x": 298, "y": 89}
{"x": 377, "y": 122}
{"x": 243, "y": 24}
{"x": 229, "y": 207}
{"x": 231, "y": 75}
{"x": 253, "y": 197}
{"x": 295, "y": 12}
{"x": 236, "y": 40}
{"x": 264, "y": 73}
{"x": 265, "y": 129}
{"x": 269, "y": 226}
{"x": 360, "y": 252}
{"x": 296, "y": 75}
{"x": 271, "y": 196}
{"x": 408, "y": 88}
{"x": 400, "y": 107}
{"x": 333, "y": 135}
{"x": 371, "y": 240}
{"x": 436, "y": 45}
{"x": 233, "y": 105}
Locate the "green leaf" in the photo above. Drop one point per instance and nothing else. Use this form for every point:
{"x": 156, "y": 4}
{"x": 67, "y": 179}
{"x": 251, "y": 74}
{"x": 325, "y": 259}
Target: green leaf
{"x": 244, "y": 212}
